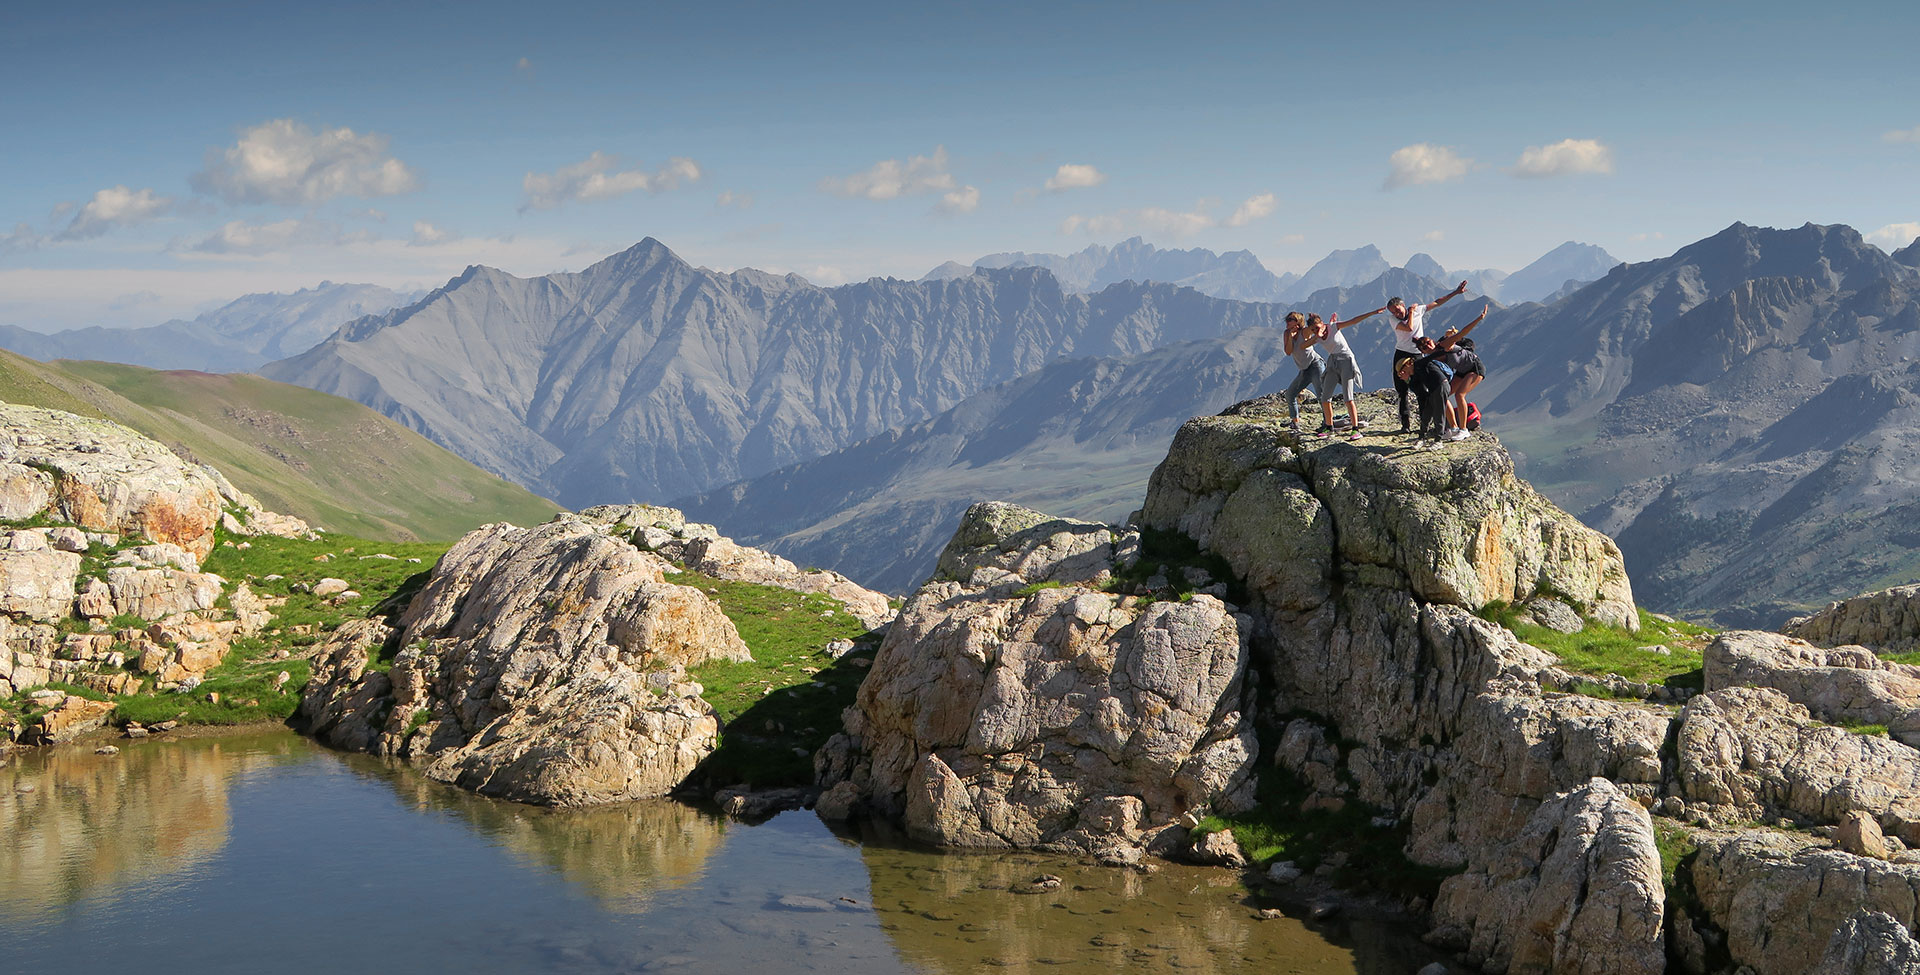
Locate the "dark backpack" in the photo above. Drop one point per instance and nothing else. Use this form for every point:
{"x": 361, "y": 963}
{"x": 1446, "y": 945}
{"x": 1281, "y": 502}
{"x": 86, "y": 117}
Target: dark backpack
{"x": 1473, "y": 416}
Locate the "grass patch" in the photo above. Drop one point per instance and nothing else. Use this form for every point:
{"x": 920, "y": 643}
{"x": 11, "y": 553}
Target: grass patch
{"x": 778, "y": 709}
{"x": 1276, "y": 830}
{"x": 1910, "y": 657}
{"x": 1033, "y": 587}
{"x": 1676, "y": 845}
{"x": 1864, "y": 728}
{"x": 1600, "y": 649}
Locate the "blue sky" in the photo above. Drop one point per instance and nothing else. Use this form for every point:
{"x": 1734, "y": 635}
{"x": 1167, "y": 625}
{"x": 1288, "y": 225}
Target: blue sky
{"x": 163, "y": 157}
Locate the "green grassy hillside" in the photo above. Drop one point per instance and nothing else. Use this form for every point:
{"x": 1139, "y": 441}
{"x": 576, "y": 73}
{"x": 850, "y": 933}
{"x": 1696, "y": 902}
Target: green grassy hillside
{"x": 331, "y": 461}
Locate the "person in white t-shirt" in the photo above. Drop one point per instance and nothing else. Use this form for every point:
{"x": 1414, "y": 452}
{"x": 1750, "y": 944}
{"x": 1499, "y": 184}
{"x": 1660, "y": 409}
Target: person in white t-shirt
{"x": 1409, "y": 323}
{"x": 1342, "y": 370}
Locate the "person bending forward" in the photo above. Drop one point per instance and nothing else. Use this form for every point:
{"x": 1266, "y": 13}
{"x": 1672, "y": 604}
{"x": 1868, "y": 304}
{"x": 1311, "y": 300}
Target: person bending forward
{"x": 1409, "y": 324}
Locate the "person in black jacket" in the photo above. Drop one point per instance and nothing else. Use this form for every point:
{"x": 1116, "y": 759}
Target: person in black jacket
{"x": 1430, "y": 377}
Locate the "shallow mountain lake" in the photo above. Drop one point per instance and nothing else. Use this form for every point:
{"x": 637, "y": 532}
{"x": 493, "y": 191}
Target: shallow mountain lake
{"x": 263, "y": 851}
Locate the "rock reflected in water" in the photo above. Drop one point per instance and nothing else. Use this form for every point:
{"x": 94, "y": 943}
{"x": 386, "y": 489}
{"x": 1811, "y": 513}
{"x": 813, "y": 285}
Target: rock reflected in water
{"x": 622, "y": 855}
{"x": 74, "y": 824}
{"x": 973, "y": 912}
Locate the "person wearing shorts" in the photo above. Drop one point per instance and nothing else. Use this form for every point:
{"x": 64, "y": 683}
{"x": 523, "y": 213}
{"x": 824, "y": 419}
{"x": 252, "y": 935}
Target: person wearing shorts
{"x": 1342, "y": 370}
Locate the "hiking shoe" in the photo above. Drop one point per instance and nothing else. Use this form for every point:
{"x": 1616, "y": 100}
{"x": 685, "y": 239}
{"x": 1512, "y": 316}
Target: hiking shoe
{"x": 1323, "y": 432}
{"x": 1458, "y": 434}
{"x": 1354, "y": 436}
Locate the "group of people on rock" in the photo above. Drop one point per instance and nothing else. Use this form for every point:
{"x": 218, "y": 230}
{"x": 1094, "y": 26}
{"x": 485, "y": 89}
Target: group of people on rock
{"x": 1433, "y": 374}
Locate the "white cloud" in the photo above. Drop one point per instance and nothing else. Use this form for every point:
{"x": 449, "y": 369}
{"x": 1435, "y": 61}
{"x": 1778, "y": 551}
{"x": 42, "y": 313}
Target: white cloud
{"x": 285, "y": 162}
{"x": 1253, "y": 209}
{"x": 1650, "y": 235}
{"x": 1169, "y": 223}
{"x": 1424, "y": 162}
{"x": 115, "y": 206}
{"x": 1072, "y": 176}
{"x": 426, "y": 234}
{"x": 598, "y": 177}
{"x": 1904, "y": 136}
{"x": 524, "y": 64}
{"x": 1294, "y": 239}
{"x": 738, "y": 201}
{"x": 824, "y": 274}
{"x": 237, "y": 237}
{"x": 1434, "y": 236}
{"x": 891, "y": 179}
{"x": 1568, "y": 157}
{"x": 1894, "y": 236}
{"x": 962, "y": 200}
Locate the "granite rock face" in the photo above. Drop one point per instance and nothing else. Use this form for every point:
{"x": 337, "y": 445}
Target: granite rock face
{"x": 1061, "y": 719}
{"x": 1870, "y": 943}
{"x": 1576, "y": 890}
{"x": 100, "y": 475}
{"x": 1783, "y": 900}
{"x": 546, "y": 665}
{"x": 998, "y": 541}
{"x": 1888, "y": 621}
{"x": 1842, "y": 684}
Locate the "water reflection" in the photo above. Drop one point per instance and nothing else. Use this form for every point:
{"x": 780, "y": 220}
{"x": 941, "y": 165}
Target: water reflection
{"x": 73, "y": 823}
{"x": 269, "y": 846}
{"x": 621, "y": 855}
{"x": 965, "y": 913}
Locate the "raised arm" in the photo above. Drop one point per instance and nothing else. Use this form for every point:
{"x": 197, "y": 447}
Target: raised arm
{"x": 1448, "y": 341}
{"x": 1449, "y": 296}
{"x": 1334, "y": 322}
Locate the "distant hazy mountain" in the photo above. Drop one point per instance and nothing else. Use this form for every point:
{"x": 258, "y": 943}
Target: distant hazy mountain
{"x": 644, "y": 378}
{"x": 1568, "y": 262}
{"x": 1341, "y": 269}
{"x": 1234, "y": 274}
{"x": 1740, "y": 415}
{"x": 949, "y": 271}
{"x": 1486, "y": 281}
{"x": 236, "y": 337}
{"x": 1424, "y": 265}
{"x": 1910, "y": 254}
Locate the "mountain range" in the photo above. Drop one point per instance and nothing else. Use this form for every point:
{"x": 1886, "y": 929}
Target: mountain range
{"x": 643, "y": 377}
{"x": 237, "y": 337}
{"x": 1240, "y": 275}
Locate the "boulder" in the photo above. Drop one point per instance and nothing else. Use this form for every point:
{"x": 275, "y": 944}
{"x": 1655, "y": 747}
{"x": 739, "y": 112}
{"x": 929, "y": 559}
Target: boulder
{"x": 1846, "y": 684}
{"x": 997, "y": 541}
{"x": 1006, "y": 721}
{"x": 1576, "y": 890}
{"x": 36, "y": 581}
{"x": 100, "y": 475}
{"x": 1453, "y": 527}
{"x": 72, "y": 717}
{"x": 153, "y": 594}
{"x": 1781, "y": 899}
{"x": 1870, "y": 943}
{"x": 544, "y": 665}
{"x": 1887, "y": 621}
{"x": 1750, "y": 753}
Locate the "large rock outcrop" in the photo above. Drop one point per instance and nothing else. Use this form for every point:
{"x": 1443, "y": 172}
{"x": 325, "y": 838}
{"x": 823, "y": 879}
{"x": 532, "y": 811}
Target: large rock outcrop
{"x": 1064, "y": 718}
{"x": 1576, "y": 890}
{"x": 100, "y": 475}
{"x": 1843, "y": 684}
{"x": 546, "y": 665}
{"x": 1887, "y": 620}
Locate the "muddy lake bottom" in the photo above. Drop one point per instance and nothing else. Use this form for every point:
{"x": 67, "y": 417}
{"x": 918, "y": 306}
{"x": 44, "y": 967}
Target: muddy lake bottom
{"x": 262, "y": 851}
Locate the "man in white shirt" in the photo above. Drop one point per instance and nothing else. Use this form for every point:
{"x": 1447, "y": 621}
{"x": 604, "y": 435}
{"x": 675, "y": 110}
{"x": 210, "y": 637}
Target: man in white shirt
{"x": 1409, "y": 323}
